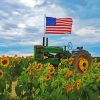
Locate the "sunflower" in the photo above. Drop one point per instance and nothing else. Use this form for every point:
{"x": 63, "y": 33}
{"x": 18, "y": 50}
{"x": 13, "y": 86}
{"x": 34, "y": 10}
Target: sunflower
{"x": 70, "y": 60}
{"x": 47, "y": 77}
{"x": 50, "y": 65}
{"x": 59, "y": 69}
{"x": 98, "y": 79}
{"x": 59, "y": 64}
{"x": 1, "y": 73}
{"x": 39, "y": 67}
{"x": 5, "y": 61}
{"x": 51, "y": 70}
{"x": 85, "y": 70}
{"x": 69, "y": 87}
{"x": 78, "y": 84}
{"x": 18, "y": 59}
{"x": 68, "y": 74}
{"x": 30, "y": 69}
{"x": 63, "y": 62}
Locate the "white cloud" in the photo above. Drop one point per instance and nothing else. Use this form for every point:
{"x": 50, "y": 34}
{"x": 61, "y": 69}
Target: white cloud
{"x": 29, "y": 43}
{"x": 27, "y": 3}
{"x": 14, "y": 32}
{"x": 21, "y": 25}
{"x": 18, "y": 53}
{"x": 85, "y": 31}
{"x": 88, "y": 31}
{"x": 31, "y": 3}
{"x": 15, "y": 13}
{"x": 57, "y": 11}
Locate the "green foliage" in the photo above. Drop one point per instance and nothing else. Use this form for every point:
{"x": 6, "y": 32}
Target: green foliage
{"x": 38, "y": 82}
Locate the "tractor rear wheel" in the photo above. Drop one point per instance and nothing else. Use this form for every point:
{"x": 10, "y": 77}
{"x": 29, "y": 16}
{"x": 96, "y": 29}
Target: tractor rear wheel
{"x": 82, "y": 63}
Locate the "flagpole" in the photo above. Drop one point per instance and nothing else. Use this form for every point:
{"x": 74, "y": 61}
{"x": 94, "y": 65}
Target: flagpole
{"x": 44, "y": 23}
{"x": 44, "y": 31}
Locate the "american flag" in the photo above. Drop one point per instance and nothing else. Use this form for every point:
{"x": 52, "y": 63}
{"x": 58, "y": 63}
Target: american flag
{"x": 58, "y": 25}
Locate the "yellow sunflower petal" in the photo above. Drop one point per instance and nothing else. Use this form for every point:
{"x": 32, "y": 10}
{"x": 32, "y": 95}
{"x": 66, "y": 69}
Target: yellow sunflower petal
{"x": 1, "y": 73}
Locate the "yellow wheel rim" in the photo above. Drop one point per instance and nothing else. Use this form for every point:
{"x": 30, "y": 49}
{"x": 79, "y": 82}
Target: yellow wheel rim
{"x": 83, "y": 64}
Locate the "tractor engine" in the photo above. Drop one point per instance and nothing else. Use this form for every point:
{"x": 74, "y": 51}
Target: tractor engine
{"x": 51, "y": 54}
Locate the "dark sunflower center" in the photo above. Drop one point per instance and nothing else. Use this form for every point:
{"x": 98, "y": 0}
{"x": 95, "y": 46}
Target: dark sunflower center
{"x": 84, "y": 69}
{"x": 39, "y": 66}
{"x": 84, "y": 64}
{"x": 47, "y": 77}
{"x": 4, "y": 62}
{"x": 0, "y": 73}
{"x": 51, "y": 70}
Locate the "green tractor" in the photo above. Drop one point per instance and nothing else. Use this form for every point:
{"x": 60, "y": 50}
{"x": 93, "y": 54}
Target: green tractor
{"x": 53, "y": 54}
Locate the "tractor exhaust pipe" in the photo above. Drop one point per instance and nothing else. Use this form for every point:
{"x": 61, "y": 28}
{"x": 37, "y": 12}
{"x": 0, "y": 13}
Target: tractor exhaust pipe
{"x": 43, "y": 41}
{"x": 46, "y": 41}
{"x": 65, "y": 48}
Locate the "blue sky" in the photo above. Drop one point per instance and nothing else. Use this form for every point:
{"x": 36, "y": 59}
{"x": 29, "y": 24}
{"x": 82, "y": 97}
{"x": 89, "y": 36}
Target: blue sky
{"x": 22, "y": 24}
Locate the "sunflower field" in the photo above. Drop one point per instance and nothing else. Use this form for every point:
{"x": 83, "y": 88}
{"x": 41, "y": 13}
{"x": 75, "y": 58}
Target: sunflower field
{"x": 22, "y": 78}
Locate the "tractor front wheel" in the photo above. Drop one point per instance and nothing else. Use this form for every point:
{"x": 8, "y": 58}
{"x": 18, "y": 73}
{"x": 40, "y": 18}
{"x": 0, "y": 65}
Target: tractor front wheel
{"x": 82, "y": 63}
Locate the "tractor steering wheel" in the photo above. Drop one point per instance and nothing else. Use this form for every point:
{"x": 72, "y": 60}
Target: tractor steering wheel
{"x": 70, "y": 45}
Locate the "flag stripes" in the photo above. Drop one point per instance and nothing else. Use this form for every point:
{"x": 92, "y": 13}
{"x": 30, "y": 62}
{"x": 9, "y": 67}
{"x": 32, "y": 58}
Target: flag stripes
{"x": 62, "y": 26}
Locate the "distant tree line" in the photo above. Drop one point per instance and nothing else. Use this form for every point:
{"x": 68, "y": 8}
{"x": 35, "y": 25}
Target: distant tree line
{"x": 98, "y": 59}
